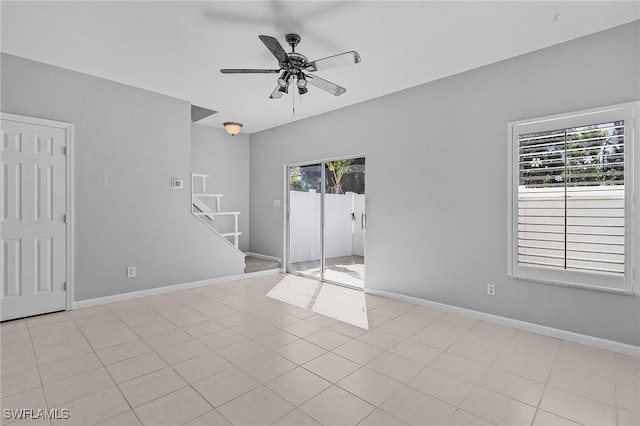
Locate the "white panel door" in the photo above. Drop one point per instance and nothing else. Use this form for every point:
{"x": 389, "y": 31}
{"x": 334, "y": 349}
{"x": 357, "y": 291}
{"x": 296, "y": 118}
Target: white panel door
{"x": 33, "y": 189}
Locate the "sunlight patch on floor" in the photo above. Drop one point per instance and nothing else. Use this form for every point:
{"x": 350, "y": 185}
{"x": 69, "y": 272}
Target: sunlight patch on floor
{"x": 348, "y": 270}
{"x": 344, "y": 304}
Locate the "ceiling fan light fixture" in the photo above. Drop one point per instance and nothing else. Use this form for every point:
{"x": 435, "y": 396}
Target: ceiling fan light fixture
{"x": 232, "y": 128}
{"x": 302, "y": 81}
{"x": 302, "y": 90}
{"x": 283, "y": 81}
{"x": 284, "y": 89}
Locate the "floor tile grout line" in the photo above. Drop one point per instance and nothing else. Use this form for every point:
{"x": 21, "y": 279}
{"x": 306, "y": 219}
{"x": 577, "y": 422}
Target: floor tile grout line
{"x": 379, "y": 408}
{"x": 289, "y": 412}
{"x": 375, "y": 407}
{"x": 370, "y": 403}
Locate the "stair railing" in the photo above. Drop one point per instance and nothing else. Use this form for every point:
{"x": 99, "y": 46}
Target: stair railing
{"x": 201, "y": 210}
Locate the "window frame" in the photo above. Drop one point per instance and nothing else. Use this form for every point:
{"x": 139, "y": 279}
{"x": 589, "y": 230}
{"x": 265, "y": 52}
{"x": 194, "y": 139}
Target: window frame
{"x": 629, "y": 112}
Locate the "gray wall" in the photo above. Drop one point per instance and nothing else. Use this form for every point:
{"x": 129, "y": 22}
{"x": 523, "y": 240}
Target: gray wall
{"x": 226, "y": 160}
{"x": 129, "y": 143}
{"x": 437, "y": 179}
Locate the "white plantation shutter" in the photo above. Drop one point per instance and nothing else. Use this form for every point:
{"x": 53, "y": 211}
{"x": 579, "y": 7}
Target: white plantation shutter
{"x": 570, "y": 212}
{"x": 571, "y": 198}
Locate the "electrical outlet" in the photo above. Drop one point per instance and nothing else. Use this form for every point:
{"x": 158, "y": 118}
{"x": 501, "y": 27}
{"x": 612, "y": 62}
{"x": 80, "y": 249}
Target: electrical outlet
{"x": 491, "y": 289}
{"x": 131, "y": 271}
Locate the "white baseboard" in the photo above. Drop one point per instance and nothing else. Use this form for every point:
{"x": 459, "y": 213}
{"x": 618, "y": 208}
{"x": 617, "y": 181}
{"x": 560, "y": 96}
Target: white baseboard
{"x": 263, "y": 256}
{"x": 570, "y": 336}
{"x": 167, "y": 289}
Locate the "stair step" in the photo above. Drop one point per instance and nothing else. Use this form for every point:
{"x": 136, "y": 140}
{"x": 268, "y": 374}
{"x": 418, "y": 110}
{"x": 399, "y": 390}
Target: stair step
{"x": 212, "y": 213}
{"x": 204, "y": 194}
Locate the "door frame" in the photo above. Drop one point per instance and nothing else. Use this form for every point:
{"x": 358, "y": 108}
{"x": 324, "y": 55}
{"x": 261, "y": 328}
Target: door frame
{"x": 70, "y": 204}
{"x": 287, "y": 210}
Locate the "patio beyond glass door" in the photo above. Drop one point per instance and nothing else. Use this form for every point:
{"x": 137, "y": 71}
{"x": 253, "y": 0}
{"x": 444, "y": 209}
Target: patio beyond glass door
{"x": 327, "y": 221}
{"x": 305, "y": 197}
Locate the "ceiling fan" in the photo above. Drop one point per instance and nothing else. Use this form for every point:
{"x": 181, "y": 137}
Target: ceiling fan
{"x": 295, "y": 66}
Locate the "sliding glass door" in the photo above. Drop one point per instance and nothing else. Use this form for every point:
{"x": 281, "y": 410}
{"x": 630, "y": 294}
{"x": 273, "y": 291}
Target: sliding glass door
{"x": 327, "y": 221}
{"x": 305, "y": 199}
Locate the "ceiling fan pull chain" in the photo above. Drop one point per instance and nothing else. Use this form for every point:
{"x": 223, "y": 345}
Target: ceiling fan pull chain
{"x": 293, "y": 101}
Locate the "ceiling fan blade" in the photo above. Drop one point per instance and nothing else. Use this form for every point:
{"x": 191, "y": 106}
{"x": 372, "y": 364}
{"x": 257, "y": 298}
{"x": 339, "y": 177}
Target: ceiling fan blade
{"x": 276, "y": 48}
{"x": 325, "y": 85}
{"x": 247, "y": 71}
{"x": 342, "y": 59}
{"x": 276, "y": 93}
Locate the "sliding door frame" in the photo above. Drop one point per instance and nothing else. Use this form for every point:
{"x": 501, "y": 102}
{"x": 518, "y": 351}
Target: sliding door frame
{"x": 287, "y": 222}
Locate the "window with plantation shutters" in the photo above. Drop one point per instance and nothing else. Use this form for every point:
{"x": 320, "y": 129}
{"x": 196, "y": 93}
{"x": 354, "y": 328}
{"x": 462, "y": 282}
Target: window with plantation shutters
{"x": 571, "y": 211}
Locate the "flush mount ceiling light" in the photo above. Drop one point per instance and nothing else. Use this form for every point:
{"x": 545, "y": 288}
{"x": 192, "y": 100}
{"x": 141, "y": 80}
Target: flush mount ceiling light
{"x": 232, "y": 128}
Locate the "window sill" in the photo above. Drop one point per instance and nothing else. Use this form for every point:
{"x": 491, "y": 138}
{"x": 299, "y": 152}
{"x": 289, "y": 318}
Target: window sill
{"x": 578, "y": 286}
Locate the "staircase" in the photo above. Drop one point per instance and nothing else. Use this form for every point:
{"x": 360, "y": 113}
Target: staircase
{"x": 206, "y": 207}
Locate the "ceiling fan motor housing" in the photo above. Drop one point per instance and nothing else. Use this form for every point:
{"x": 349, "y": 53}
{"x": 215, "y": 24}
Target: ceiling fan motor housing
{"x": 292, "y": 40}
{"x": 297, "y": 61}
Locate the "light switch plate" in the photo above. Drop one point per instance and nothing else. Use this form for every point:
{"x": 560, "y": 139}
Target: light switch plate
{"x": 276, "y": 203}
{"x": 131, "y": 271}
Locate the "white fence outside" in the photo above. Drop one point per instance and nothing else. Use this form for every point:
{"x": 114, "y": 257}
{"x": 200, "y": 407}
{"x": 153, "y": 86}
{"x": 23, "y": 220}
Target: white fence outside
{"x": 593, "y": 220}
{"x": 343, "y": 236}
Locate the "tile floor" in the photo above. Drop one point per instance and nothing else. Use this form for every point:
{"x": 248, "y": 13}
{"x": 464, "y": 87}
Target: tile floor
{"x": 342, "y": 303}
{"x": 226, "y": 354}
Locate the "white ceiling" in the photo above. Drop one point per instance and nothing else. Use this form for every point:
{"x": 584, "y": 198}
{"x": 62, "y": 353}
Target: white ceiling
{"x": 178, "y": 48}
